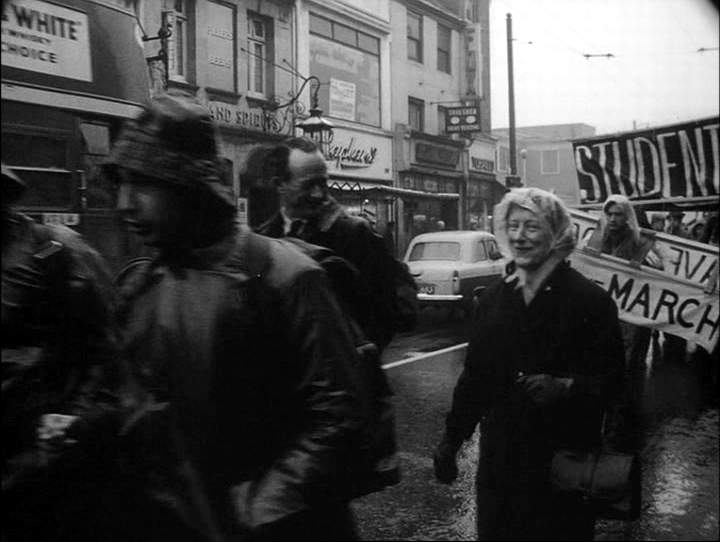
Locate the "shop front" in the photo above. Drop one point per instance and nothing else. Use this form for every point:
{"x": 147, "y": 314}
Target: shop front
{"x": 483, "y": 189}
{"x": 430, "y": 187}
{"x": 72, "y": 72}
{"x": 360, "y": 170}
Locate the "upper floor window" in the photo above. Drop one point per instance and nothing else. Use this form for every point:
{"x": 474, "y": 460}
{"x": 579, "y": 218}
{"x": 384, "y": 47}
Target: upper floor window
{"x": 414, "y": 36}
{"x": 441, "y": 119}
{"x": 347, "y": 62}
{"x": 176, "y": 14}
{"x": 503, "y": 159}
{"x": 416, "y": 114}
{"x": 549, "y": 162}
{"x": 443, "y": 48}
{"x": 259, "y": 52}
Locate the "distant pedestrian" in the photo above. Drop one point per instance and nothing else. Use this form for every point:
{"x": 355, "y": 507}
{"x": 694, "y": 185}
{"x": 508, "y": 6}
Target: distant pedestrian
{"x": 58, "y": 372}
{"x": 544, "y": 358}
{"x": 241, "y": 355}
{"x": 675, "y": 224}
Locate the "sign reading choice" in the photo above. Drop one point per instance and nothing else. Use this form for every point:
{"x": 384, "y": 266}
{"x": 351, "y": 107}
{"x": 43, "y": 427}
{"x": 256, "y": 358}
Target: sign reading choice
{"x": 46, "y": 38}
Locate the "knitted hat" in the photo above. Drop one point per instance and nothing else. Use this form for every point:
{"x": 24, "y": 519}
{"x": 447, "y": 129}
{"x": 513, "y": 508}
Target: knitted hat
{"x": 12, "y": 185}
{"x": 175, "y": 141}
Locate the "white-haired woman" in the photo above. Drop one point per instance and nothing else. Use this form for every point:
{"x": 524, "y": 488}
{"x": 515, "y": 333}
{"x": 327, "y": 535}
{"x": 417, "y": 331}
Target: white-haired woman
{"x": 544, "y": 357}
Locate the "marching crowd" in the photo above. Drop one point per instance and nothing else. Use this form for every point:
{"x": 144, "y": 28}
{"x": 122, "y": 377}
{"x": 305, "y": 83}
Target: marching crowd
{"x": 212, "y": 391}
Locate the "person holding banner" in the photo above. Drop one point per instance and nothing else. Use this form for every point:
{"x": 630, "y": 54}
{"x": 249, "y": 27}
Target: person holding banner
{"x": 544, "y": 360}
{"x": 619, "y": 235}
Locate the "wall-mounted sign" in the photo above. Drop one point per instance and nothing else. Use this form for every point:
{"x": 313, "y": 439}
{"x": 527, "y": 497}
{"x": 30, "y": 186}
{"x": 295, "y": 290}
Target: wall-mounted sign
{"x": 360, "y": 153}
{"x": 235, "y": 115}
{"x": 462, "y": 119}
{"x": 47, "y": 38}
{"x": 342, "y": 99}
{"x": 433, "y": 154}
{"x": 480, "y": 164}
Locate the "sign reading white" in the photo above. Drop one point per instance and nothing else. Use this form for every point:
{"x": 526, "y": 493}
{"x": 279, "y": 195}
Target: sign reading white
{"x": 46, "y": 38}
{"x": 342, "y": 99}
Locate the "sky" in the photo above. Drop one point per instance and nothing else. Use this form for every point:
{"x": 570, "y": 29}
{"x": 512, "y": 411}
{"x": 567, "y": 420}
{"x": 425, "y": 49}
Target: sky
{"x": 655, "y": 77}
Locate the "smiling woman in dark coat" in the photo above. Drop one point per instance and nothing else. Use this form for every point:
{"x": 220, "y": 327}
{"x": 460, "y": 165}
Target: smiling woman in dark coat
{"x": 544, "y": 355}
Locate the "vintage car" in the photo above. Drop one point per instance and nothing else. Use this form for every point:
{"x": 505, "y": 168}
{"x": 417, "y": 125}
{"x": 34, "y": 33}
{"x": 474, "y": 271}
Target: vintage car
{"x": 449, "y": 267}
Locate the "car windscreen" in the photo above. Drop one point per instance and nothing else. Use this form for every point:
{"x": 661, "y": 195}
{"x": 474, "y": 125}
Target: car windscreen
{"x": 435, "y": 251}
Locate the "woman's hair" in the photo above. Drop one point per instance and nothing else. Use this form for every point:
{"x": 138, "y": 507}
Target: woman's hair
{"x": 625, "y": 206}
{"x": 547, "y": 207}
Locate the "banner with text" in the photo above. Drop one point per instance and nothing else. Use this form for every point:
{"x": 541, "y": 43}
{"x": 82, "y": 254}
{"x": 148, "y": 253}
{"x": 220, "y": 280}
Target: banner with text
{"x": 650, "y": 298}
{"x": 680, "y": 160}
{"x": 682, "y": 258}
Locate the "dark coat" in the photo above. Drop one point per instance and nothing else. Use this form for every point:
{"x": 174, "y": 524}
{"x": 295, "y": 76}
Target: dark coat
{"x": 353, "y": 238}
{"x": 570, "y": 329}
{"x": 256, "y": 372}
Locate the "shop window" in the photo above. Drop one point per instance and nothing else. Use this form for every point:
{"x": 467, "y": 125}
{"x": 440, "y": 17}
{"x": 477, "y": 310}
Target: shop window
{"x": 549, "y": 162}
{"x": 260, "y": 55}
{"x": 416, "y": 114}
{"x": 50, "y": 184}
{"x": 177, "y": 14}
{"x": 414, "y": 36}
{"x": 100, "y": 192}
{"x": 443, "y": 48}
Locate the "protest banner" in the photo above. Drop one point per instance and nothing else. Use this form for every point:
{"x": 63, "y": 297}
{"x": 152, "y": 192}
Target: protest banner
{"x": 654, "y": 299}
{"x": 679, "y": 160}
{"x": 682, "y": 258}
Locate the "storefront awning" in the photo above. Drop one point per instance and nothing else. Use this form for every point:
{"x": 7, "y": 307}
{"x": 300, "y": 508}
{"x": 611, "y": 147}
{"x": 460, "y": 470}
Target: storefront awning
{"x": 360, "y": 187}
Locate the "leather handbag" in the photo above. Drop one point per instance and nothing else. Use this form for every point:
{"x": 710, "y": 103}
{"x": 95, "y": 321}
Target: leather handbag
{"x": 608, "y": 481}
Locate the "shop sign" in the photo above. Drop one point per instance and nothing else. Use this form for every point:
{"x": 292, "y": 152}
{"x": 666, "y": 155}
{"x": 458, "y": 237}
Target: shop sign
{"x": 342, "y": 99}
{"x": 480, "y": 164}
{"x": 233, "y": 115}
{"x": 425, "y": 183}
{"x": 360, "y": 153}
{"x": 61, "y": 219}
{"x": 46, "y": 38}
{"x": 462, "y": 120}
{"x": 433, "y": 154}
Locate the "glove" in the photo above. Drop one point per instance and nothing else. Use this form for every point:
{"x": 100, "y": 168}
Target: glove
{"x": 444, "y": 462}
{"x": 544, "y": 389}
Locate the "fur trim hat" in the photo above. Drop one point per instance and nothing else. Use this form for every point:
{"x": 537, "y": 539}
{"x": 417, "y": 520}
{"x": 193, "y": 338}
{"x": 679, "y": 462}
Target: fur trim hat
{"x": 174, "y": 140}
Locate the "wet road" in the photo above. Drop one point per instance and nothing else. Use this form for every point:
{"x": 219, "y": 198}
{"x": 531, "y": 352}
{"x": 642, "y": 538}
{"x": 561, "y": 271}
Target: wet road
{"x": 679, "y": 450}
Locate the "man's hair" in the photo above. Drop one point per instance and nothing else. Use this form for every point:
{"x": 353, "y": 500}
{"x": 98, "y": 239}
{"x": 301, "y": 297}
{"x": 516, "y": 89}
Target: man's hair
{"x": 277, "y": 158}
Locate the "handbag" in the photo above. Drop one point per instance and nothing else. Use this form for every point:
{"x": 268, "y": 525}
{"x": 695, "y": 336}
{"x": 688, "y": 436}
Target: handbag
{"x": 609, "y": 481}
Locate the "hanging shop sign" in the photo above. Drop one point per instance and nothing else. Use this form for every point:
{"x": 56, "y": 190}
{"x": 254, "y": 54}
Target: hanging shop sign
{"x": 360, "y": 154}
{"x": 679, "y": 160}
{"x": 650, "y": 298}
{"x": 462, "y": 120}
{"x": 46, "y": 38}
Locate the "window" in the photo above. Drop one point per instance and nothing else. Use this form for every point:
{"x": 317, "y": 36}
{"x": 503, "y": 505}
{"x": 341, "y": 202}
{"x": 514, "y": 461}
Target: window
{"x": 100, "y": 191}
{"x": 347, "y": 61}
{"x": 549, "y": 162}
{"x": 503, "y": 159}
{"x": 259, "y": 51}
{"x": 435, "y": 251}
{"x": 441, "y": 119}
{"x": 176, "y": 15}
{"x": 480, "y": 251}
{"x": 416, "y": 114}
{"x": 414, "y": 36}
{"x": 443, "y": 49}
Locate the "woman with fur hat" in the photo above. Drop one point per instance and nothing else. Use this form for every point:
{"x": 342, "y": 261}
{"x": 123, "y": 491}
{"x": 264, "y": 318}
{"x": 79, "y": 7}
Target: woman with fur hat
{"x": 542, "y": 362}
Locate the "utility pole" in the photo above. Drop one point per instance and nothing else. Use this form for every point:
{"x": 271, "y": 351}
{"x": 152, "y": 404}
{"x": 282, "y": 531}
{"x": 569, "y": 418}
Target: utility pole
{"x": 512, "y": 179}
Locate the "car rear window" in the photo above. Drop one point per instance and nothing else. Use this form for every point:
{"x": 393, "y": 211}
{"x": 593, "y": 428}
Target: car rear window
{"x": 435, "y": 251}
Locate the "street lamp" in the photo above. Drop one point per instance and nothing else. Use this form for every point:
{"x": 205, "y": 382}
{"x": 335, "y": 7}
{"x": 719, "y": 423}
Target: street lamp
{"x": 317, "y": 128}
